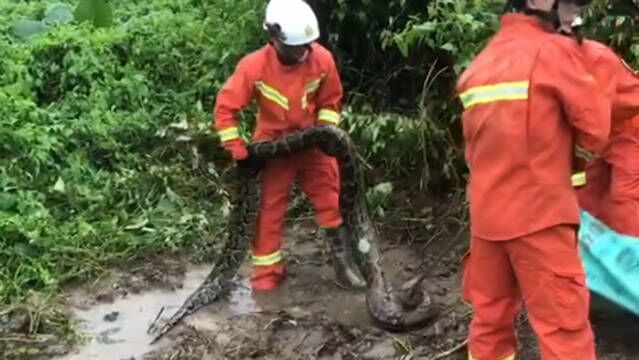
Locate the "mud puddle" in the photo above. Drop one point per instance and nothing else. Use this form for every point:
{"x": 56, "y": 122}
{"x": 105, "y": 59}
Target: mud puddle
{"x": 116, "y": 327}
{"x": 308, "y": 317}
{"x": 115, "y": 322}
{"x": 117, "y": 330}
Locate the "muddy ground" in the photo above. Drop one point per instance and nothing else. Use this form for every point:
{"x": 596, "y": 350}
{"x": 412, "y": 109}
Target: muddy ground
{"x": 309, "y": 317}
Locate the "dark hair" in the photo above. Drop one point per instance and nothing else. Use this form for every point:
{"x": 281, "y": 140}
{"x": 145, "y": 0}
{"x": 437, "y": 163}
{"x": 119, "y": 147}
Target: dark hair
{"x": 275, "y": 30}
{"x": 520, "y": 5}
{"x": 515, "y": 5}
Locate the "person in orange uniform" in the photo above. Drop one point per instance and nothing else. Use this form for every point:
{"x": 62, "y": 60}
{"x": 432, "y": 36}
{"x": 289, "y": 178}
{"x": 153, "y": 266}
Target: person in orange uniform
{"x": 296, "y": 84}
{"x": 528, "y": 100}
{"x": 609, "y": 187}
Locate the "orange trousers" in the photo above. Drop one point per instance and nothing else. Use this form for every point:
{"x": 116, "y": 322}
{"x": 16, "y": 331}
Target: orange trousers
{"x": 544, "y": 270}
{"x": 611, "y": 192}
{"x": 318, "y": 177}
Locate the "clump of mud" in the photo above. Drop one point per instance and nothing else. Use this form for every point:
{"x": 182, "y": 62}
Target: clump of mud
{"x": 311, "y": 337}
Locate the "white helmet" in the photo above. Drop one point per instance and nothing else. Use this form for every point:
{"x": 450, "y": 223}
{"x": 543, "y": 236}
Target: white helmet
{"x": 296, "y": 20}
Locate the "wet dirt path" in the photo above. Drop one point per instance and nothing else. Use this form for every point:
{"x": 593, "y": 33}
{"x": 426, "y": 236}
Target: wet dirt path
{"x": 308, "y": 317}
{"x": 116, "y": 323}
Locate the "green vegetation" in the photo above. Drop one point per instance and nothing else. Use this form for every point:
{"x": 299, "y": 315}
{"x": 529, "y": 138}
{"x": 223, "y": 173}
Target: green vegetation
{"x": 105, "y": 151}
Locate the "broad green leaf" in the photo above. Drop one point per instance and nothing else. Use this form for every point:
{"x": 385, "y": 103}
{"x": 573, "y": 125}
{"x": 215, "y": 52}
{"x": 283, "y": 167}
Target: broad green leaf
{"x": 449, "y": 47}
{"x": 7, "y": 201}
{"x": 59, "y": 186}
{"x": 26, "y": 29}
{"x": 384, "y": 188}
{"x": 96, "y": 11}
{"x": 59, "y": 13}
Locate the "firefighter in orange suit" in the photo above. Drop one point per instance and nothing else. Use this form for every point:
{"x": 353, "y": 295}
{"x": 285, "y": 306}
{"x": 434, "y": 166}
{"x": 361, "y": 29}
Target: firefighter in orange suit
{"x": 296, "y": 84}
{"x": 609, "y": 187}
{"x": 528, "y": 100}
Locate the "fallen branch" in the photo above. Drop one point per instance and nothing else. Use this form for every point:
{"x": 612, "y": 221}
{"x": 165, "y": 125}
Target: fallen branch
{"x": 449, "y": 352}
{"x": 152, "y": 327}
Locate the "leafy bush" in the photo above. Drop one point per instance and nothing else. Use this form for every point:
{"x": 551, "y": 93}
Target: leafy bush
{"x": 86, "y": 177}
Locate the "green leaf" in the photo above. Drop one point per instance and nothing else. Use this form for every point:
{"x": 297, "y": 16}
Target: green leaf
{"x": 449, "y": 47}
{"x": 384, "y": 188}
{"x": 7, "y": 201}
{"x": 59, "y": 186}
{"x": 59, "y": 13}
{"x": 27, "y": 29}
{"x": 96, "y": 11}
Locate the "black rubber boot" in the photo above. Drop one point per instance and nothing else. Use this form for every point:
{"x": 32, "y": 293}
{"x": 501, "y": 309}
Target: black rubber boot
{"x": 346, "y": 271}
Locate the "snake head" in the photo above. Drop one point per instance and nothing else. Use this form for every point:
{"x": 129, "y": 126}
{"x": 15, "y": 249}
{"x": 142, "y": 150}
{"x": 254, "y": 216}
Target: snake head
{"x": 389, "y": 311}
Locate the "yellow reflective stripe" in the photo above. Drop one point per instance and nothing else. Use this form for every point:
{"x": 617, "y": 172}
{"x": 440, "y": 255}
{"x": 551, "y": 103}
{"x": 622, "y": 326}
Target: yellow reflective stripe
{"x": 310, "y": 88}
{"x": 265, "y": 260}
{"x": 509, "y": 357}
{"x": 313, "y": 85}
{"x": 578, "y": 179}
{"x": 229, "y": 134}
{"x": 328, "y": 116}
{"x": 583, "y": 153}
{"x": 497, "y": 92}
{"x": 272, "y": 94}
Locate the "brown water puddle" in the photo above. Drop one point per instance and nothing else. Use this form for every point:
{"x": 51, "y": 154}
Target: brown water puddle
{"x": 118, "y": 329}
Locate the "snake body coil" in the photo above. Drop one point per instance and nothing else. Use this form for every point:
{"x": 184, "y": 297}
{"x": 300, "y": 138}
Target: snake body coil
{"x": 391, "y": 310}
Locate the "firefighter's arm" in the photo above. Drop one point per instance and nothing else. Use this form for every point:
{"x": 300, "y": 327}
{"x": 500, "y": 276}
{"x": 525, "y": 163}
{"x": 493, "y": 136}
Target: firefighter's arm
{"x": 236, "y": 93}
{"x": 627, "y": 100}
{"x": 605, "y": 72}
{"x": 560, "y": 68}
{"x": 329, "y": 95}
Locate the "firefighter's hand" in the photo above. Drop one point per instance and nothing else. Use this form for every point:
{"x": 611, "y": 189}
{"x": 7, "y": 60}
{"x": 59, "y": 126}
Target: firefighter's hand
{"x": 237, "y": 149}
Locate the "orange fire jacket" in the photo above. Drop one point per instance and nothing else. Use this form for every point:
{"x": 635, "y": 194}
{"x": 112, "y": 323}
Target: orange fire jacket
{"x": 617, "y": 80}
{"x": 620, "y": 83}
{"x": 528, "y": 100}
{"x": 289, "y": 97}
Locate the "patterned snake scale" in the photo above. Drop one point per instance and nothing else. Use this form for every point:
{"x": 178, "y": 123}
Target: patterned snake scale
{"x": 408, "y": 308}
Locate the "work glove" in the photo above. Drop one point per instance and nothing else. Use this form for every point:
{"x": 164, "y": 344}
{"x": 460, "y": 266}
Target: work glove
{"x": 237, "y": 148}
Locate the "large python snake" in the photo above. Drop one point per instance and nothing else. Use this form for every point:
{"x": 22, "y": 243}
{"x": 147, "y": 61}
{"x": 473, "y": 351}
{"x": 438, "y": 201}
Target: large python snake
{"x": 408, "y": 308}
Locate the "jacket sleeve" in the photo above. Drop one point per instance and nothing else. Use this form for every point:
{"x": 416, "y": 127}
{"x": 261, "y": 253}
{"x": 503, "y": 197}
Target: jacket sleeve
{"x": 561, "y": 68}
{"x": 236, "y": 94}
{"x": 605, "y": 72}
{"x": 627, "y": 99}
{"x": 329, "y": 95}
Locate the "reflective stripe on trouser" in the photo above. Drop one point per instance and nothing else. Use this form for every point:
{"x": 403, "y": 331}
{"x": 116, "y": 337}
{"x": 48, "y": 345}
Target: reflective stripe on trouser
{"x": 268, "y": 259}
{"x": 509, "y": 357}
{"x": 318, "y": 178}
{"x": 546, "y": 267}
